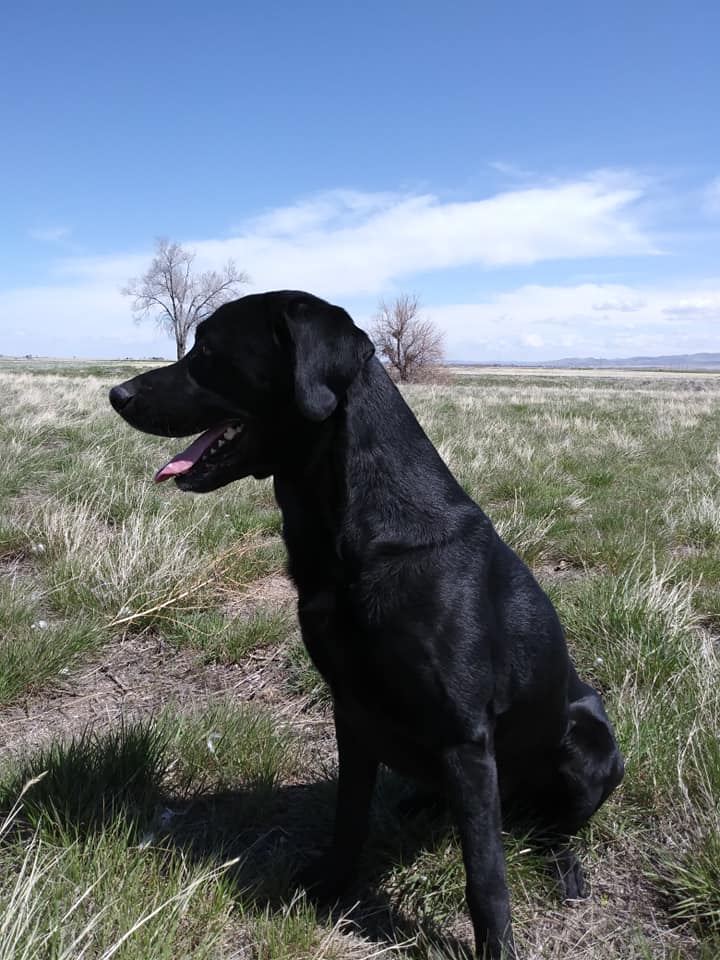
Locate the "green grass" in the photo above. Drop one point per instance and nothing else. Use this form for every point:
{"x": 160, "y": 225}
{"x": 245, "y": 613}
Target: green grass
{"x": 96, "y": 851}
{"x": 90, "y": 780}
{"x": 226, "y": 639}
{"x": 63, "y": 899}
{"x": 94, "y": 777}
{"x": 431, "y": 886}
{"x": 288, "y": 934}
{"x": 690, "y": 879}
{"x": 303, "y": 678}
{"x": 229, "y": 745}
{"x": 35, "y": 645}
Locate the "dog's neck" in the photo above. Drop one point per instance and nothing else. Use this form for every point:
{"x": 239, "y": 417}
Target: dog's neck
{"x": 393, "y": 473}
{"x": 361, "y": 486}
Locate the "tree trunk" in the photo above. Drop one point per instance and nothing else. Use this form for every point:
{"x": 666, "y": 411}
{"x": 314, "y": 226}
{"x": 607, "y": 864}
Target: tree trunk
{"x": 180, "y": 343}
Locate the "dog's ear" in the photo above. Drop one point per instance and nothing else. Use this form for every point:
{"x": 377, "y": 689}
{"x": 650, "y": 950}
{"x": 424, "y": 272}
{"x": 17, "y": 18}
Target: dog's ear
{"x": 328, "y": 353}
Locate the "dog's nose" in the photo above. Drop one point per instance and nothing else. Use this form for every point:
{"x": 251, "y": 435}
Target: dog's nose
{"x": 120, "y": 397}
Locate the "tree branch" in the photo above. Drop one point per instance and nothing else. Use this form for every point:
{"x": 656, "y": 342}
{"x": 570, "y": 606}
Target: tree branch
{"x": 175, "y": 299}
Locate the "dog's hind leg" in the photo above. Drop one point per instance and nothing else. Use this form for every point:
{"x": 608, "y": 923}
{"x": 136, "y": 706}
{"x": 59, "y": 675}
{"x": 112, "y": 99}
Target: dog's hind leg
{"x": 330, "y": 874}
{"x": 569, "y": 872}
{"x": 590, "y": 765}
{"x": 471, "y": 779}
{"x": 587, "y": 768}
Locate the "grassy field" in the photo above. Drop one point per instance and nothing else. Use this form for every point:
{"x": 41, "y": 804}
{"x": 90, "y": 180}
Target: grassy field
{"x": 166, "y": 752}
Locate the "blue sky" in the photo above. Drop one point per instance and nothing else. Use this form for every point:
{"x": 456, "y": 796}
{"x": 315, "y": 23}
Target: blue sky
{"x": 545, "y": 176}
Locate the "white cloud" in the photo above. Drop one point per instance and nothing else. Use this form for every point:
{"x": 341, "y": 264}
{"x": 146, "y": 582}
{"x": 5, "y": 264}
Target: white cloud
{"x": 550, "y": 321}
{"x": 712, "y": 198}
{"x": 82, "y": 320}
{"x": 627, "y": 305}
{"x": 49, "y": 234}
{"x": 331, "y": 208}
{"x": 703, "y": 307}
{"x": 363, "y": 247}
{"x": 530, "y": 322}
{"x": 511, "y": 170}
{"x": 345, "y": 243}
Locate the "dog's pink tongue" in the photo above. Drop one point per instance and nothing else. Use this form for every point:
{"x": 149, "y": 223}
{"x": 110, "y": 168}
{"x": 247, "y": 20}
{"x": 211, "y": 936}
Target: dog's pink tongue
{"x": 182, "y": 462}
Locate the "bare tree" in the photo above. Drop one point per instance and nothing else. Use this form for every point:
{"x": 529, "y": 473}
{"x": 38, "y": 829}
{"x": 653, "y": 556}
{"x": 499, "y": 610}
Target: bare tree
{"x": 175, "y": 297}
{"x": 410, "y": 343}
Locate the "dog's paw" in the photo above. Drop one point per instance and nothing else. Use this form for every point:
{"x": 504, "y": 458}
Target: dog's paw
{"x": 323, "y": 879}
{"x": 570, "y": 876}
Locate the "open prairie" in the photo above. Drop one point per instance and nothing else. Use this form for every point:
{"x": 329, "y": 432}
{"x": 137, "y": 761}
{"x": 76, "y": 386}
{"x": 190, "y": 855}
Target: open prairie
{"x": 166, "y": 750}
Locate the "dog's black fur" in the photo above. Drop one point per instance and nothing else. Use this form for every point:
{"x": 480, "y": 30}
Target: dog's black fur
{"x": 445, "y": 659}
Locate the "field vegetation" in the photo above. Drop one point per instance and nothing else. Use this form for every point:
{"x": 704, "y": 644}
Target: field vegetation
{"x": 166, "y": 749}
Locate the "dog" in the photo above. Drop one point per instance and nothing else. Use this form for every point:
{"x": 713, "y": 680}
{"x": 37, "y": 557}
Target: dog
{"x": 445, "y": 659}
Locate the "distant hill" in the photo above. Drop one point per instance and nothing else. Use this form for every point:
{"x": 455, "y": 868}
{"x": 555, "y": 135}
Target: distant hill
{"x": 682, "y": 361}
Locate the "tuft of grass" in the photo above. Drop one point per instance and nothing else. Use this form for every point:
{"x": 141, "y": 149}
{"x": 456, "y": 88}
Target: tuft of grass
{"x": 699, "y": 521}
{"x": 431, "y": 883}
{"x": 689, "y": 878}
{"x": 101, "y": 567}
{"x": 230, "y": 746}
{"x": 303, "y": 677}
{"x": 88, "y": 781}
{"x": 639, "y": 623}
{"x": 35, "y": 645}
{"x": 692, "y": 511}
{"x": 104, "y": 898}
{"x": 637, "y": 637}
{"x": 295, "y": 932}
{"x": 243, "y": 567}
{"x": 292, "y": 933}
{"x": 225, "y": 639}
{"x": 528, "y": 536}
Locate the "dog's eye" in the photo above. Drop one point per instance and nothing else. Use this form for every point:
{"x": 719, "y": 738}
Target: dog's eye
{"x": 204, "y": 349}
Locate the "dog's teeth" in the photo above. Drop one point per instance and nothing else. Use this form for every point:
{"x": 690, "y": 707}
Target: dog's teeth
{"x": 231, "y": 432}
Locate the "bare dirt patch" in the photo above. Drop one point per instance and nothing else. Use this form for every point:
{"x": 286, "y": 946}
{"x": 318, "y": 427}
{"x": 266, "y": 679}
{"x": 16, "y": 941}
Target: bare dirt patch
{"x": 132, "y": 677}
{"x": 15, "y": 564}
{"x": 275, "y": 591}
{"x": 136, "y": 676}
{"x": 559, "y": 571}
{"x": 599, "y": 928}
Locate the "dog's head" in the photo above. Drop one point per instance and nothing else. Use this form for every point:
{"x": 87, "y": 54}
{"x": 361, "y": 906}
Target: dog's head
{"x": 260, "y": 366}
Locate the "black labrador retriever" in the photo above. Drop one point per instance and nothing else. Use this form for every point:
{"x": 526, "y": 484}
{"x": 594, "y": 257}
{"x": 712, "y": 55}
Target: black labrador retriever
{"x": 445, "y": 659}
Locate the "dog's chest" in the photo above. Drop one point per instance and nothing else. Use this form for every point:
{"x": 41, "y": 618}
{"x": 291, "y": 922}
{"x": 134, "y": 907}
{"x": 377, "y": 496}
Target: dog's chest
{"x": 410, "y": 750}
{"x": 389, "y": 711}
{"x": 369, "y": 664}
{"x": 393, "y": 696}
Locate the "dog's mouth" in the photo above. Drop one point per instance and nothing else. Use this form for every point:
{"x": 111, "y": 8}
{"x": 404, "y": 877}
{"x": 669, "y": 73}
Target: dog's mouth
{"x": 211, "y": 450}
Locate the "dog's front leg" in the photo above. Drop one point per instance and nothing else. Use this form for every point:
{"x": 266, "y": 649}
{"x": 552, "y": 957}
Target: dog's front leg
{"x": 471, "y": 779}
{"x": 330, "y": 874}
